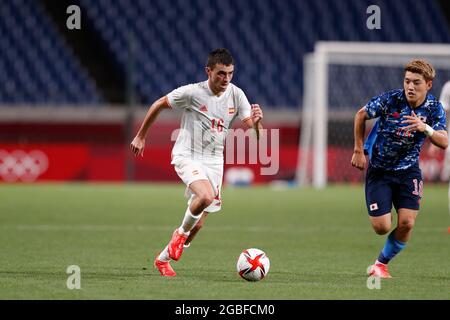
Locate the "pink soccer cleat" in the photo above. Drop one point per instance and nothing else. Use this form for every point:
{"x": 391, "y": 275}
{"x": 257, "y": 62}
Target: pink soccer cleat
{"x": 379, "y": 270}
{"x": 164, "y": 268}
{"x": 176, "y": 245}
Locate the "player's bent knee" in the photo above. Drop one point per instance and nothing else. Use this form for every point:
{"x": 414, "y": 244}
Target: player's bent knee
{"x": 406, "y": 225}
{"x": 381, "y": 224}
{"x": 205, "y": 199}
{"x": 381, "y": 229}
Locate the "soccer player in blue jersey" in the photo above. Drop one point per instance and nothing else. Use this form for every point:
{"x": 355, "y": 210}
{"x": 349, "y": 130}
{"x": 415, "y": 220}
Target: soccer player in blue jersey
{"x": 406, "y": 117}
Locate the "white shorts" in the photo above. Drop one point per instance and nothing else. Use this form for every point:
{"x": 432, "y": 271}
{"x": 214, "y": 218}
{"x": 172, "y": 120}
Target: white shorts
{"x": 190, "y": 170}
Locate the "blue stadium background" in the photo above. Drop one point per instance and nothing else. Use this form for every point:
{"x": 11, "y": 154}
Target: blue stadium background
{"x": 44, "y": 63}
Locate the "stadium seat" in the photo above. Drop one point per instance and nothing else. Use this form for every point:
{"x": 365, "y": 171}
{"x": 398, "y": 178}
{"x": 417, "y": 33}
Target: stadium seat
{"x": 171, "y": 39}
{"x": 37, "y": 66}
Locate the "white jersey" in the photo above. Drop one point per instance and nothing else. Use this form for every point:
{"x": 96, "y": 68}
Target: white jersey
{"x": 206, "y": 119}
{"x": 445, "y": 96}
{"x": 445, "y": 100}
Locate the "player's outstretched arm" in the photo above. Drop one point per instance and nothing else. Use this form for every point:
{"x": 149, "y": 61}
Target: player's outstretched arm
{"x": 138, "y": 143}
{"x": 358, "y": 158}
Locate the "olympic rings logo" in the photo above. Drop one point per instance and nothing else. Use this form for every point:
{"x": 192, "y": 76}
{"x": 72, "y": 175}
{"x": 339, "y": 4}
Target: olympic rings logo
{"x": 19, "y": 165}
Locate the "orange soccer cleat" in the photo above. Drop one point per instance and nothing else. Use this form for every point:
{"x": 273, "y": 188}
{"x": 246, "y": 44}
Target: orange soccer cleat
{"x": 164, "y": 268}
{"x": 379, "y": 270}
{"x": 175, "y": 246}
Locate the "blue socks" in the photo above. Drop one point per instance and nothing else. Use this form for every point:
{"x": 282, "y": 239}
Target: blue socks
{"x": 391, "y": 248}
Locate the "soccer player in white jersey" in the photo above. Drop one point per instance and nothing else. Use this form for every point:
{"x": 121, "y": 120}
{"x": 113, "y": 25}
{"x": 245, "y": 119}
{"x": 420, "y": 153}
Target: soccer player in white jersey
{"x": 445, "y": 100}
{"x": 209, "y": 108}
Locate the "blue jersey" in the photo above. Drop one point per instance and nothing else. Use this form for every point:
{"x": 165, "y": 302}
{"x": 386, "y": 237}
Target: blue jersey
{"x": 389, "y": 146}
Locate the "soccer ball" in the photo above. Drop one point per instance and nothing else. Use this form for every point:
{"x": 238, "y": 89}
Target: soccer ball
{"x": 253, "y": 264}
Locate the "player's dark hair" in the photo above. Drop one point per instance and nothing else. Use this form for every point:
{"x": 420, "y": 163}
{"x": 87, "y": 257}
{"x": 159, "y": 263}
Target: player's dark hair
{"x": 219, "y": 56}
{"x": 421, "y": 67}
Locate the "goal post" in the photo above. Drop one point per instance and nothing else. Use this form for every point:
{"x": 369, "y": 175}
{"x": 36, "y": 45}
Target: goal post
{"x": 338, "y": 79}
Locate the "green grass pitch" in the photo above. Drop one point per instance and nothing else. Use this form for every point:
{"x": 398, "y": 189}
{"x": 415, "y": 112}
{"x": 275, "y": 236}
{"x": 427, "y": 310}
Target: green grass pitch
{"x": 320, "y": 244}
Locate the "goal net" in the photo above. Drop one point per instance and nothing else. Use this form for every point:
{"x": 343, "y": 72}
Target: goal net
{"x": 339, "y": 78}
